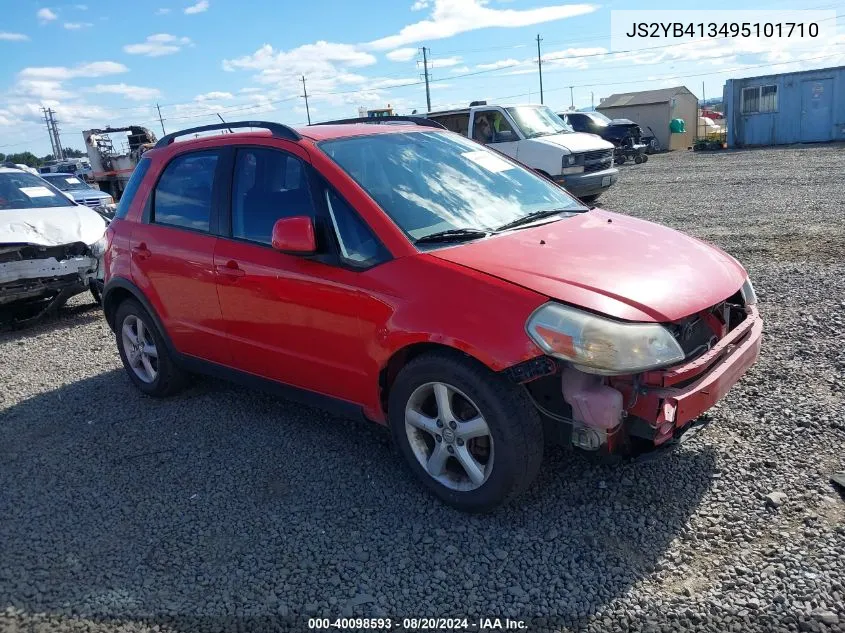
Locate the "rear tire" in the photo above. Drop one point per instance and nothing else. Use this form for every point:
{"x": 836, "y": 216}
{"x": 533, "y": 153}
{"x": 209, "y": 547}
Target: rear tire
{"x": 144, "y": 353}
{"x": 490, "y": 444}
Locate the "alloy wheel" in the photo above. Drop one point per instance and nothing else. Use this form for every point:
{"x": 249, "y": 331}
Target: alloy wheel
{"x": 139, "y": 348}
{"x": 449, "y": 436}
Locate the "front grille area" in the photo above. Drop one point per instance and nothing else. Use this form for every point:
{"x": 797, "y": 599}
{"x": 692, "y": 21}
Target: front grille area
{"x": 698, "y": 333}
{"x": 597, "y": 160}
{"x": 93, "y": 202}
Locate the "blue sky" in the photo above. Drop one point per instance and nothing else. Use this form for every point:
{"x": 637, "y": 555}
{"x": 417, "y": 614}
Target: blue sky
{"x": 99, "y": 63}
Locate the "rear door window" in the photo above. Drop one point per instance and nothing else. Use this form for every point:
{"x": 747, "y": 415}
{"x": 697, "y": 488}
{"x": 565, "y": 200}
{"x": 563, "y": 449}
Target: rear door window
{"x": 184, "y": 193}
{"x": 132, "y": 188}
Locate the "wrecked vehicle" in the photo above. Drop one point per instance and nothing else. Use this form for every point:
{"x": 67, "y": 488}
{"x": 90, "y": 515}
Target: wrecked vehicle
{"x": 111, "y": 167}
{"x": 405, "y": 274}
{"x": 50, "y": 247}
{"x": 82, "y": 193}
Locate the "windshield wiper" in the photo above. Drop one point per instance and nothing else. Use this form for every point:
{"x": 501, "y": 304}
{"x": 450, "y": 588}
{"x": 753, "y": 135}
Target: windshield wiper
{"x": 536, "y": 215}
{"x": 452, "y": 235}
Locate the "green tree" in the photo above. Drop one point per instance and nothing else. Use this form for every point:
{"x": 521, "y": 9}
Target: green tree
{"x": 24, "y": 158}
{"x": 74, "y": 153}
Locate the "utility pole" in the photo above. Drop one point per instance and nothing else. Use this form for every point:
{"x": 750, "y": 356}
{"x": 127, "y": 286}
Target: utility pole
{"x": 592, "y": 101}
{"x": 50, "y": 133}
{"x": 571, "y": 98}
{"x": 60, "y": 153}
{"x": 160, "y": 120}
{"x": 540, "y": 66}
{"x": 425, "y": 52}
{"x": 305, "y": 94}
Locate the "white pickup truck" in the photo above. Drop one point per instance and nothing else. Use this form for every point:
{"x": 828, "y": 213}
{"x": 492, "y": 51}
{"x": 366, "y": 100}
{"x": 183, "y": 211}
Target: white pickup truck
{"x": 538, "y": 138}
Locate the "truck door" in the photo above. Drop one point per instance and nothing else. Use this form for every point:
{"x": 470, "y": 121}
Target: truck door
{"x": 492, "y": 127}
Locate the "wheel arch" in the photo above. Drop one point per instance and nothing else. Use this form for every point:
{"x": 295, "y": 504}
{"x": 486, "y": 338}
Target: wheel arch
{"x": 404, "y": 355}
{"x": 118, "y": 290}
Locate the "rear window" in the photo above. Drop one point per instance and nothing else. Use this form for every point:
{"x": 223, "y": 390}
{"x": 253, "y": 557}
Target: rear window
{"x": 184, "y": 192}
{"x": 132, "y": 188}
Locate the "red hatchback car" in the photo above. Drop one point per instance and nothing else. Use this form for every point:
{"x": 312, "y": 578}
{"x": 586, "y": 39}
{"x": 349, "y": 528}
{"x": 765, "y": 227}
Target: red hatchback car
{"x": 408, "y": 275}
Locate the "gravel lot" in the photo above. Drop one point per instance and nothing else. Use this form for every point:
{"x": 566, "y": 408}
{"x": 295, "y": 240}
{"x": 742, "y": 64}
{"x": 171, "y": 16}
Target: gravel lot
{"x": 228, "y": 509}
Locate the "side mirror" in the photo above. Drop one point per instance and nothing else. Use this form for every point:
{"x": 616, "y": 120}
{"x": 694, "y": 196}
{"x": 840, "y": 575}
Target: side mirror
{"x": 294, "y": 235}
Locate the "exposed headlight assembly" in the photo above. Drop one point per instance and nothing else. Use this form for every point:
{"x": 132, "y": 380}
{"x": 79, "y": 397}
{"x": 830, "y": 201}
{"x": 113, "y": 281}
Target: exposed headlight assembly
{"x": 598, "y": 345}
{"x": 747, "y": 292}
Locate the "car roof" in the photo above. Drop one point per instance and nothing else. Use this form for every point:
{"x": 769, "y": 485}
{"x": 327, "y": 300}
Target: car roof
{"x": 12, "y": 170}
{"x": 315, "y": 133}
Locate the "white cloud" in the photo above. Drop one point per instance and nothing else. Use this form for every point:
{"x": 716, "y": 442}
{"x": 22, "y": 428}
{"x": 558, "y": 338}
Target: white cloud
{"x": 42, "y": 89}
{"x": 13, "y": 37}
{"x": 297, "y": 60}
{"x": 75, "y": 26}
{"x": 459, "y": 69}
{"x": 445, "y": 62}
{"x": 419, "y": 5}
{"x": 213, "y": 95}
{"x": 250, "y": 90}
{"x": 62, "y": 73}
{"x": 134, "y": 93}
{"x": 158, "y": 45}
{"x": 451, "y": 17}
{"x": 502, "y": 63}
{"x": 402, "y": 54}
{"x": 45, "y": 15}
{"x": 162, "y": 11}
{"x": 199, "y": 7}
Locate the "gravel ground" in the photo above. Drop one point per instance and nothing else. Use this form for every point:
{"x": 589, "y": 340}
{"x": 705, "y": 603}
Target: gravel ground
{"x": 227, "y": 509}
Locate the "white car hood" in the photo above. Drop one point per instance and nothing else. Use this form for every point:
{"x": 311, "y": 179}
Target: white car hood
{"x": 575, "y": 141}
{"x": 51, "y": 226}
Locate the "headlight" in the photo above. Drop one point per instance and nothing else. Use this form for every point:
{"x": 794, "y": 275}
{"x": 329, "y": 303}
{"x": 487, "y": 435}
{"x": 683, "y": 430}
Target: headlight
{"x": 748, "y": 294}
{"x": 568, "y": 160}
{"x": 98, "y": 248}
{"x": 601, "y": 346}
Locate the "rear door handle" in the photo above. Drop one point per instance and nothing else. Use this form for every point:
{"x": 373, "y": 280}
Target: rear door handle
{"x": 230, "y": 269}
{"x": 141, "y": 251}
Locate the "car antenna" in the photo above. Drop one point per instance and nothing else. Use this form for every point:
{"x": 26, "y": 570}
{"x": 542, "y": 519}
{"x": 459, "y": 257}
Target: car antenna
{"x": 222, "y": 119}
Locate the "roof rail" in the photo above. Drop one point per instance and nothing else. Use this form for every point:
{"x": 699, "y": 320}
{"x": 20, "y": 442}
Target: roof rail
{"x": 418, "y": 120}
{"x": 276, "y": 129}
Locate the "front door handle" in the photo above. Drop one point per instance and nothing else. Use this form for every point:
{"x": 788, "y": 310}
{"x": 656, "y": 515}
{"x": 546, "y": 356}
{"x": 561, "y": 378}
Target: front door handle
{"x": 141, "y": 251}
{"x": 230, "y": 269}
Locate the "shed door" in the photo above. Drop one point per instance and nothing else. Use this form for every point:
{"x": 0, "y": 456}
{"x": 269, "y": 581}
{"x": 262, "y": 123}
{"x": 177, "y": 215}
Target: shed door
{"x": 816, "y": 110}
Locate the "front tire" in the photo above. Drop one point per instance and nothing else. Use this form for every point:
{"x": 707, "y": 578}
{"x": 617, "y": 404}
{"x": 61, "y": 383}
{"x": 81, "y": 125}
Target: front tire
{"x": 143, "y": 351}
{"x": 469, "y": 435}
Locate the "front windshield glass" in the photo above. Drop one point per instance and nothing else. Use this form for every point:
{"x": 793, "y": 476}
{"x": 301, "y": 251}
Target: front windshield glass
{"x": 538, "y": 121}
{"x": 66, "y": 183}
{"x": 429, "y": 182}
{"x": 20, "y": 190}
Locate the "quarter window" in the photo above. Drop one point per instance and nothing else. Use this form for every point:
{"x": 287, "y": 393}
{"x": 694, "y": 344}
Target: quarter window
{"x": 759, "y": 99}
{"x": 268, "y": 185}
{"x": 132, "y": 188}
{"x": 358, "y": 244}
{"x": 183, "y": 194}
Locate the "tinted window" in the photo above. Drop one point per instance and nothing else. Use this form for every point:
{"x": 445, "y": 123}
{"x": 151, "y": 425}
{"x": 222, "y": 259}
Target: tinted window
{"x": 132, "y": 188}
{"x": 184, "y": 191}
{"x": 268, "y": 185}
{"x": 435, "y": 181}
{"x": 491, "y": 127}
{"x": 358, "y": 244}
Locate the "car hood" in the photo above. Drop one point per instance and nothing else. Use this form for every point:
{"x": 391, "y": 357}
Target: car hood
{"x": 51, "y": 226}
{"x": 82, "y": 194}
{"x": 614, "y": 264}
{"x": 574, "y": 141}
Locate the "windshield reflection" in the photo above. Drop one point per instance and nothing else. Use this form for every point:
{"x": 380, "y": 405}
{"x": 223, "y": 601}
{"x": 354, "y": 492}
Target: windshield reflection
{"x": 429, "y": 182}
{"x": 538, "y": 121}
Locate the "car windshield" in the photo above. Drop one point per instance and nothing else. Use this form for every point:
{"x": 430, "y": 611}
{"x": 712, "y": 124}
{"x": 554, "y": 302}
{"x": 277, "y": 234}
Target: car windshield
{"x": 538, "y": 121}
{"x": 20, "y": 190}
{"x": 599, "y": 118}
{"x": 430, "y": 182}
{"x": 66, "y": 182}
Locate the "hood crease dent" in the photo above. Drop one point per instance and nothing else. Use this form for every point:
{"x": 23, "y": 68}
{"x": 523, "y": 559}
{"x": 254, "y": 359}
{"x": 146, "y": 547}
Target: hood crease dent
{"x": 51, "y": 226}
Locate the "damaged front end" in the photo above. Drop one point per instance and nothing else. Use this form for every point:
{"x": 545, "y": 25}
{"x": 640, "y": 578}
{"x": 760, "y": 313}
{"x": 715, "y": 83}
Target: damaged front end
{"x": 676, "y": 371}
{"x": 41, "y": 278}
